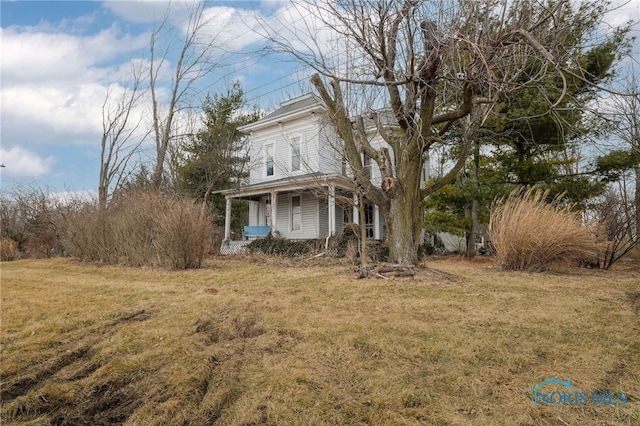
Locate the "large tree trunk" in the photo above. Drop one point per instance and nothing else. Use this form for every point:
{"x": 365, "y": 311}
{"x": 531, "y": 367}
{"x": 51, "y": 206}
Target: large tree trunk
{"x": 470, "y": 252}
{"x": 637, "y": 201}
{"x": 158, "y": 169}
{"x": 404, "y": 225}
{"x": 364, "y": 255}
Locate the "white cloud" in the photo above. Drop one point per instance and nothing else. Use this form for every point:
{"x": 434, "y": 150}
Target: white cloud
{"x": 54, "y": 84}
{"x": 20, "y": 162}
{"x": 69, "y": 197}
{"x": 52, "y": 114}
{"x": 233, "y": 29}
{"x": 148, "y": 11}
{"x": 35, "y": 54}
{"x": 623, "y": 12}
{"x": 309, "y": 31}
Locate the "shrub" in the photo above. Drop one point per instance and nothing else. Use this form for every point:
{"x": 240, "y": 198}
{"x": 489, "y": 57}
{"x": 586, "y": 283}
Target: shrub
{"x": 378, "y": 251}
{"x": 284, "y": 247}
{"x": 529, "y": 233}
{"x": 35, "y": 220}
{"x": 8, "y": 249}
{"x": 347, "y": 243}
{"x": 614, "y": 230}
{"x": 141, "y": 229}
{"x": 182, "y": 235}
{"x": 432, "y": 246}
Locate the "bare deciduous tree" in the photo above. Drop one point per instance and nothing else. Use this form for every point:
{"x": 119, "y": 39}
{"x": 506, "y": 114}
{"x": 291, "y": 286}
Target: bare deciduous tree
{"x": 624, "y": 111}
{"x": 616, "y": 232}
{"x": 189, "y": 52}
{"x": 37, "y": 219}
{"x": 120, "y": 141}
{"x": 428, "y": 63}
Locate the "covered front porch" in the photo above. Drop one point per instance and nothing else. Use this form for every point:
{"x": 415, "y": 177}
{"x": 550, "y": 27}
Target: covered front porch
{"x": 312, "y": 206}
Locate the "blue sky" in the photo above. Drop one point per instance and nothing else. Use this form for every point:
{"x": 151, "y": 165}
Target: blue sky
{"x": 59, "y": 58}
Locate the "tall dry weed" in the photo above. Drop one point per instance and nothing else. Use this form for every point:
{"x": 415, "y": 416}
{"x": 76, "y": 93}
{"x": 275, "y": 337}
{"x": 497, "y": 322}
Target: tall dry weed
{"x": 141, "y": 229}
{"x": 529, "y": 233}
{"x": 183, "y": 232}
{"x": 8, "y": 249}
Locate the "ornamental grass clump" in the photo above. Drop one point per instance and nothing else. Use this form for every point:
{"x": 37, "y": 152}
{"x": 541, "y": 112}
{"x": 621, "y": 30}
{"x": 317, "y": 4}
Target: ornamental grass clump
{"x": 530, "y": 233}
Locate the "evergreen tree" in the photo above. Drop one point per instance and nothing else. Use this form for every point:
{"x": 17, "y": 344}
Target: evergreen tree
{"x": 216, "y": 157}
{"x": 535, "y": 145}
{"x": 525, "y": 142}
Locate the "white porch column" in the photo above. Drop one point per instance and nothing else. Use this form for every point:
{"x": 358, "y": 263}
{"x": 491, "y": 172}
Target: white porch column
{"x": 356, "y": 214}
{"x": 376, "y": 222}
{"x": 332, "y": 210}
{"x": 274, "y": 210}
{"x": 256, "y": 207}
{"x": 227, "y": 221}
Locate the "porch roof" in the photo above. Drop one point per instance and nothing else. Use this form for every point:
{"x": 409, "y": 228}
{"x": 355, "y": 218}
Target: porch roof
{"x": 289, "y": 184}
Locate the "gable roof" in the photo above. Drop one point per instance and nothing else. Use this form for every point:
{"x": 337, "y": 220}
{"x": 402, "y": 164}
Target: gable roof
{"x": 288, "y": 110}
{"x": 295, "y": 104}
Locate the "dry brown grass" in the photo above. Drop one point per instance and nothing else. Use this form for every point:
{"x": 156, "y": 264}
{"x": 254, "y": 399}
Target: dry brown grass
{"x": 530, "y": 234}
{"x": 241, "y": 343}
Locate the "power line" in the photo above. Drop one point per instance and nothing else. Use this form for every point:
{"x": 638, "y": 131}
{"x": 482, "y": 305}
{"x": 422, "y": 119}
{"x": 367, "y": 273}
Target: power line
{"x": 296, "y": 73}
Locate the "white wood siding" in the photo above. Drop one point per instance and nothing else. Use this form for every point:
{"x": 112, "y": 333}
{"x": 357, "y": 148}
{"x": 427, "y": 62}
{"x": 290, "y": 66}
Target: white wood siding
{"x": 330, "y": 151}
{"x": 309, "y": 206}
{"x": 258, "y": 213}
{"x": 320, "y": 152}
{"x": 376, "y": 177}
{"x": 280, "y": 135}
{"x": 323, "y": 217}
{"x": 339, "y": 219}
{"x": 254, "y": 208}
{"x": 315, "y": 217}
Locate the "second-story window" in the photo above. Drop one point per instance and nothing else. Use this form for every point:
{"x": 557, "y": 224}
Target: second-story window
{"x": 295, "y": 154}
{"x": 366, "y": 164}
{"x": 268, "y": 157}
{"x": 425, "y": 172}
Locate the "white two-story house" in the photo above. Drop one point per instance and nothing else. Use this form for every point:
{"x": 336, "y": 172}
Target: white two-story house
{"x": 300, "y": 187}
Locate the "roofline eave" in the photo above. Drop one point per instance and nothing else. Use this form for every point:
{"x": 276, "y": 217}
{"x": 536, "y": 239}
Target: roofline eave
{"x": 280, "y": 119}
{"x": 292, "y": 184}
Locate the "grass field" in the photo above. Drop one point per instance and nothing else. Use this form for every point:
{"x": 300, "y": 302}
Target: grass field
{"x": 249, "y": 342}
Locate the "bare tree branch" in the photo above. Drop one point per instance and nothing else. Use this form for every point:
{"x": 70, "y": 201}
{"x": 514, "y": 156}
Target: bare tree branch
{"x": 120, "y": 139}
{"x": 197, "y": 55}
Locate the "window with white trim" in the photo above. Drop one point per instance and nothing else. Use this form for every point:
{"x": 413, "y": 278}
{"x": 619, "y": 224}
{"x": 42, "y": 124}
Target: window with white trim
{"x": 295, "y": 154}
{"x": 425, "y": 171}
{"x": 366, "y": 163}
{"x": 268, "y": 159}
{"x": 296, "y": 213}
{"x": 347, "y": 215}
{"x": 369, "y": 220}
